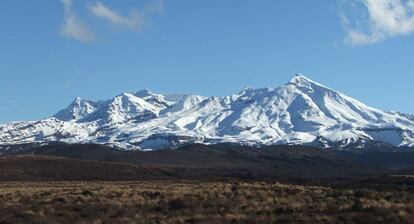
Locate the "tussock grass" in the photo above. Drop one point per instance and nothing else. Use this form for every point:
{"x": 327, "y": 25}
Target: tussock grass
{"x": 200, "y": 202}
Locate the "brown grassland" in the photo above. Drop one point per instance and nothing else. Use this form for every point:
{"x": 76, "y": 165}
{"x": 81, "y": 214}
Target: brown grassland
{"x": 201, "y": 202}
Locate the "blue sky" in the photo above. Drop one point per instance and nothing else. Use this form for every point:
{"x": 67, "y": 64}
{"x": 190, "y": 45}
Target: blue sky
{"x": 52, "y": 50}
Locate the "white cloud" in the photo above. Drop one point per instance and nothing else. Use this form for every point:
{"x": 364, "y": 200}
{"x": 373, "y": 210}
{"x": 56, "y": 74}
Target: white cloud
{"x": 134, "y": 22}
{"x": 382, "y": 19}
{"x": 157, "y": 6}
{"x": 73, "y": 26}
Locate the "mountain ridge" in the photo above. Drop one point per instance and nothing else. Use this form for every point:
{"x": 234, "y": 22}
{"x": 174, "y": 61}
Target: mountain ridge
{"x": 301, "y": 112}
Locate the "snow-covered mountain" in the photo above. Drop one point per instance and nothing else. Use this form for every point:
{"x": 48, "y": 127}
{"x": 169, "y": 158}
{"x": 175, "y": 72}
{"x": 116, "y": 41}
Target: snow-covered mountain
{"x": 299, "y": 112}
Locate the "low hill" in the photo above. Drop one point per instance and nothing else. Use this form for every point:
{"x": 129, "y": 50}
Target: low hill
{"x": 48, "y": 168}
{"x": 197, "y": 161}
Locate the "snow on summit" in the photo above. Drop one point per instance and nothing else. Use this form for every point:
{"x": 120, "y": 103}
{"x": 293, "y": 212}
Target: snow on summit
{"x": 300, "y": 112}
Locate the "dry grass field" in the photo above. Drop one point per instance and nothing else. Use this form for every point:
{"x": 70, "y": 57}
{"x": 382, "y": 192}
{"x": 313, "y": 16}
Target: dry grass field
{"x": 201, "y": 202}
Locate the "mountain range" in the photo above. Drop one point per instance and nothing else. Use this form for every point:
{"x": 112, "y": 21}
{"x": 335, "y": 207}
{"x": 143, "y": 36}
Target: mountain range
{"x": 301, "y": 112}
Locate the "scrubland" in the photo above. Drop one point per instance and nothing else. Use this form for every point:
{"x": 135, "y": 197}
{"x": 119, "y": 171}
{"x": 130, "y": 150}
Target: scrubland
{"x": 203, "y": 202}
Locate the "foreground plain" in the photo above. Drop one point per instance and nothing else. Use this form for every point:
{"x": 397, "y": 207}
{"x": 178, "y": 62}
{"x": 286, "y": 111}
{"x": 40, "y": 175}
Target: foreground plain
{"x": 207, "y": 202}
{"x": 62, "y": 183}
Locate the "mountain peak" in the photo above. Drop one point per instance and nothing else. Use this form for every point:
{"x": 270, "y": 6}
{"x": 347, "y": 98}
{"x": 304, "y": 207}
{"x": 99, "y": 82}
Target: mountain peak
{"x": 300, "y": 80}
{"x": 78, "y": 109}
{"x": 125, "y": 95}
{"x": 77, "y": 101}
{"x": 144, "y": 93}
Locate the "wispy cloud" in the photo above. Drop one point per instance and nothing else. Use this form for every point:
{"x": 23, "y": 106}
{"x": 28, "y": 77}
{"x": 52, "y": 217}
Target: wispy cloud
{"x": 156, "y": 6}
{"x": 380, "y": 20}
{"x": 73, "y": 26}
{"x": 134, "y": 22}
